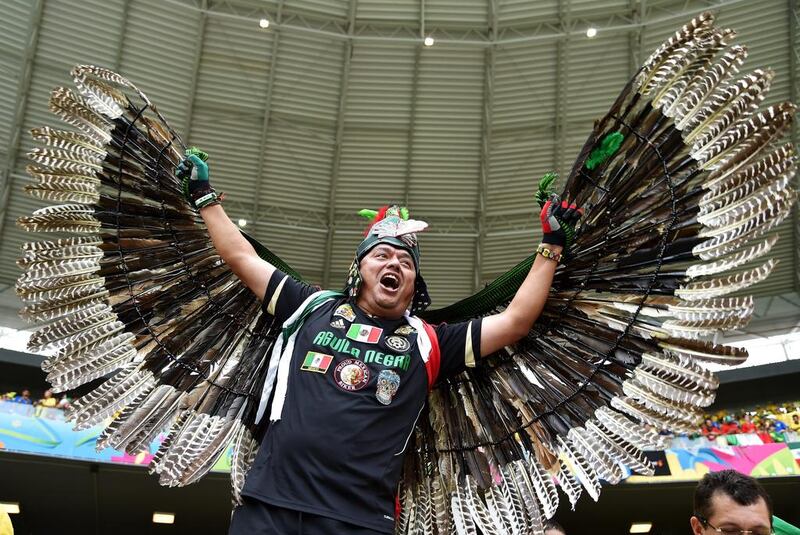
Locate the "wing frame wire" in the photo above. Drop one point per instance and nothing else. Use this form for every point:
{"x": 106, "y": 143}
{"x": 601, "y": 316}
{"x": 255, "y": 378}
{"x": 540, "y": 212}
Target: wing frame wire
{"x": 192, "y": 368}
{"x": 509, "y": 435}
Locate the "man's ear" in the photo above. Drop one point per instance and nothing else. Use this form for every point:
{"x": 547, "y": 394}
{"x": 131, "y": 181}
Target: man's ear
{"x": 697, "y": 526}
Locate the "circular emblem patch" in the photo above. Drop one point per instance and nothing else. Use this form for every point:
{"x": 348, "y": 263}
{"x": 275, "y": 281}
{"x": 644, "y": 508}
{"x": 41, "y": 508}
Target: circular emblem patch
{"x": 398, "y": 343}
{"x": 351, "y": 375}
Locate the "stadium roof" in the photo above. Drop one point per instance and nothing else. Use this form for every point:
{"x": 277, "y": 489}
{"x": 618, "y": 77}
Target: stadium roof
{"x": 338, "y": 105}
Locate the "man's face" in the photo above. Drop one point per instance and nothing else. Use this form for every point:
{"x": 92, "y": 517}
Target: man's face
{"x": 727, "y": 514}
{"x": 388, "y": 275}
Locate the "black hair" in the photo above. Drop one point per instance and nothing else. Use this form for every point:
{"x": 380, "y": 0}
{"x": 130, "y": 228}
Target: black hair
{"x": 742, "y": 489}
{"x": 552, "y": 524}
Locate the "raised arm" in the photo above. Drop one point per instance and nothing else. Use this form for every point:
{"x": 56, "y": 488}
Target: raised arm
{"x": 234, "y": 249}
{"x": 500, "y": 330}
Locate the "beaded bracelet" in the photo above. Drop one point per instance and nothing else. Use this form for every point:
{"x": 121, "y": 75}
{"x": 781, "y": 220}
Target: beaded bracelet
{"x": 548, "y": 254}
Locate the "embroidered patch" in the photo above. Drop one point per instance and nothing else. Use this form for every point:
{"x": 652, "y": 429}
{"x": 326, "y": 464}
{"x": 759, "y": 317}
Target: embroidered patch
{"x": 338, "y": 323}
{"x": 345, "y": 311}
{"x": 405, "y": 330}
{"x": 388, "y": 383}
{"x": 316, "y": 362}
{"x": 398, "y": 343}
{"x": 364, "y": 333}
{"x": 351, "y": 375}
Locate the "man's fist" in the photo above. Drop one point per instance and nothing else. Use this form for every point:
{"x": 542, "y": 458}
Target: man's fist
{"x": 558, "y": 221}
{"x": 194, "y": 166}
{"x": 194, "y": 175}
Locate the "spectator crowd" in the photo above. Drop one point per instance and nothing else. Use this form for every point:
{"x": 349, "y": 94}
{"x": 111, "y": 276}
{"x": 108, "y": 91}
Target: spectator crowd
{"x": 48, "y": 399}
{"x": 770, "y": 423}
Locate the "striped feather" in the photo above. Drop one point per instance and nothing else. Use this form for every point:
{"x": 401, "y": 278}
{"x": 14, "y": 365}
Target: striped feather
{"x": 75, "y": 111}
{"x": 717, "y": 287}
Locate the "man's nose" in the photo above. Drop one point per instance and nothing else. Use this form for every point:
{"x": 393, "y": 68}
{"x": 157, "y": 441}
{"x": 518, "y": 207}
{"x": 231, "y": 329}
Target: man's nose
{"x": 393, "y": 260}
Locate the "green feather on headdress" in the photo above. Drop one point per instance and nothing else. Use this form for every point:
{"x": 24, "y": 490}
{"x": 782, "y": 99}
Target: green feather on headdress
{"x": 367, "y": 213}
{"x": 194, "y": 151}
{"x": 545, "y": 188}
{"x": 543, "y": 194}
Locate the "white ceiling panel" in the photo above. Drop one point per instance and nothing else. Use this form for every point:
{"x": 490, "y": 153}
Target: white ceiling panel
{"x": 310, "y": 120}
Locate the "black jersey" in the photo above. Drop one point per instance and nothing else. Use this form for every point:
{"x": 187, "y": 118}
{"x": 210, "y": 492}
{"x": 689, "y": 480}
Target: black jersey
{"x": 356, "y": 387}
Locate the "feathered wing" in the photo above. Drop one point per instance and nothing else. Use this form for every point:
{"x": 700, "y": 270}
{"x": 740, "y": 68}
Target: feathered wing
{"x": 688, "y": 196}
{"x": 137, "y": 294}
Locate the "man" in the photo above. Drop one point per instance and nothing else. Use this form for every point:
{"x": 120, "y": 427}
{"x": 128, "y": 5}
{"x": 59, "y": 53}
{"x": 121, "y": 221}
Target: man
{"x": 551, "y": 527}
{"x": 795, "y": 425}
{"x": 779, "y": 425}
{"x": 350, "y": 378}
{"x": 709, "y": 429}
{"x": 48, "y": 400}
{"x": 747, "y": 425}
{"x": 729, "y": 502}
{"x": 24, "y": 397}
{"x": 729, "y": 426}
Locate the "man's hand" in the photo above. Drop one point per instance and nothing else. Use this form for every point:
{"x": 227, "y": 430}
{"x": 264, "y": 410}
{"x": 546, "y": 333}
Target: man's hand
{"x": 193, "y": 168}
{"x": 234, "y": 249}
{"x": 507, "y": 327}
{"x": 558, "y": 221}
{"x": 194, "y": 174}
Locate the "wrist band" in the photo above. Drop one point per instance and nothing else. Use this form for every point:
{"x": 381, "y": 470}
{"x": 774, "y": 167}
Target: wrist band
{"x": 548, "y": 254}
{"x": 205, "y": 196}
{"x": 207, "y": 200}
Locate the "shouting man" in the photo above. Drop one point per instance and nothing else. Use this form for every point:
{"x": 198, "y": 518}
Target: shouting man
{"x": 351, "y": 372}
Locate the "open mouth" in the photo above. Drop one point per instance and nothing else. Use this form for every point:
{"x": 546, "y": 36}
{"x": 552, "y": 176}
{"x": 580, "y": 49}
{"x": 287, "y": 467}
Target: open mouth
{"x": 390, "y": 281}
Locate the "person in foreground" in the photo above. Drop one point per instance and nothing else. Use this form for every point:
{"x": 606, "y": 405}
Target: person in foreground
{"x": 729, "y": 502}
{"x": 551, "y": 527}
{"x": 355, "y": 367}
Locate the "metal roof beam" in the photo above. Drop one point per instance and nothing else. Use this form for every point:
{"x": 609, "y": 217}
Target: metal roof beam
{"x": 489, "y": 61}
{"x": 23, "y": 89}
{"x": 123, "y": 24}
{"x": 412, "y": 119}
{"x": 262, "y": 157}
{"x": 337, "y": 155}
{"x": 794, "y": 59}
{"x": 198, "y": 54}
{"x": 636, "y": 36}
{"x": 544, "y": 31}
{"x": 562, "y": 83}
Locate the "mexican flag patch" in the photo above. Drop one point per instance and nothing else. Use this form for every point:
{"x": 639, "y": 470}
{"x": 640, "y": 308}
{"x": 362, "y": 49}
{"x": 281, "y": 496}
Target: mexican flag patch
{"x": 316, "y": 362}
{"x": 364, "y": 333}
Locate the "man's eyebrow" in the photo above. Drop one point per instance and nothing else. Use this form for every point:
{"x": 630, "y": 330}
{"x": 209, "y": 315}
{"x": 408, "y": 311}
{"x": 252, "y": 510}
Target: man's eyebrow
{"x": 405, "y": 255}
{"x": 400, "y": 252}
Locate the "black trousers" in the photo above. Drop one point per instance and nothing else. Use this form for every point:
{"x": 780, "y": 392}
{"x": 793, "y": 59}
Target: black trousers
{"x": 255, "y": 517}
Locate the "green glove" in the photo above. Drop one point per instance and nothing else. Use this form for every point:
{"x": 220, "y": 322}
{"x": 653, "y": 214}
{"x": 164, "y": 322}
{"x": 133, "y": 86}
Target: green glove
{"x": 193, "y": 168}
{"x": 194, "y": 174}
